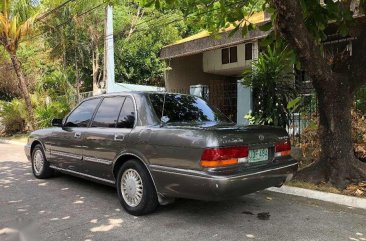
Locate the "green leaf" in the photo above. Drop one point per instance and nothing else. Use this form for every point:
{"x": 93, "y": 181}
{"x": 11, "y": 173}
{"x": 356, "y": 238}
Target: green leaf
{"x": 293, "y": 103}
{"x": 298, "y": 65}
{"x": 265, "y": 27}
{"x": 251, "y": 27}
{"x": 232, "y": 32}
{"x": 157, "y": 4}
{"x": 244, "y": 30}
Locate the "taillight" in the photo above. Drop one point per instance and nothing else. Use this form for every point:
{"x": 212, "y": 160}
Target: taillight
{"x": 283, "y": 148}
{"x": 224, "y": 156}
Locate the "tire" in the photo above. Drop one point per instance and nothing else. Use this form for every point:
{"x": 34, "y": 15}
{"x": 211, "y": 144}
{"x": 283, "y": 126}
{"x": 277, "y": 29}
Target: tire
{"x": 138, "y": 183}
{"x": 40, "y": 166}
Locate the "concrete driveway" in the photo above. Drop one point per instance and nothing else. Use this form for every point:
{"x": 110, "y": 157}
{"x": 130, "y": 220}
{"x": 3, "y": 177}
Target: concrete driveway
{"x": 68, "y": 208}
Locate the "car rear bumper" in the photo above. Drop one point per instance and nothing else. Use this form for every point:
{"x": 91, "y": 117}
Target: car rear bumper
{"x": 171, "y": 182}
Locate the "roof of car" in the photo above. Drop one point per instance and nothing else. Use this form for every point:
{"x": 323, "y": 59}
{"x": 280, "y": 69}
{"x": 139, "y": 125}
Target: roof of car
{"x": 134, "y": 93}
{"x": 139, "y": 92}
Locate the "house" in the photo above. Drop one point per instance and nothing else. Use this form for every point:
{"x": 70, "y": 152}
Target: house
{"x": 212, "y": 66}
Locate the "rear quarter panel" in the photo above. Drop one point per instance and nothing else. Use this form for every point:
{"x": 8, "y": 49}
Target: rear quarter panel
{"x": 178, "y": 148}
{"x": 183, "y": 147}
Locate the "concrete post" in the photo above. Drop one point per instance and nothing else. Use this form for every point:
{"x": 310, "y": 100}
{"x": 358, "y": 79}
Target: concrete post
{"x": 109, "y": 50}
{"x": 245, "y": 103}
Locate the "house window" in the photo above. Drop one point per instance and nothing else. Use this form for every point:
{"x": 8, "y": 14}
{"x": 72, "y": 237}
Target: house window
{"x": 248, "y": 51}
{"x": 225, "y": 58}
{"x": 229, "y": 55}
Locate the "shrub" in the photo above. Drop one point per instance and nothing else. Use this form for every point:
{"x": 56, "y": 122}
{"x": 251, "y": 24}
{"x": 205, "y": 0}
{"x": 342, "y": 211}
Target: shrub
{"x": 13, "y": 116}
{"x": 44, "y": 113}
{"x": 273, "y": 87}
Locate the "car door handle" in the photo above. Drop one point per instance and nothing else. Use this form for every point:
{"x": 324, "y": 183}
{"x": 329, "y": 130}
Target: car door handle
{"x": 77, "y": 134}
{"x": 119, "y": 137}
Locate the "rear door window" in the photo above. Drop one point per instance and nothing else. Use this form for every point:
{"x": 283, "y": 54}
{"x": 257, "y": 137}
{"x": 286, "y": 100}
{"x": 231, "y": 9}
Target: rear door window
{"x": 82, "y": 115}
{"x": 127, "y": 116}
{"x": 108, "y": 111}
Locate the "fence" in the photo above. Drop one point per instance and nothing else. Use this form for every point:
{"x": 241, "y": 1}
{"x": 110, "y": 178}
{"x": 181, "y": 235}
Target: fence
{"x": 305, "y": 115}
{"x": 222, "y": 95}
{"x": 360, "y": 100}
{"x": 308, "y": 113}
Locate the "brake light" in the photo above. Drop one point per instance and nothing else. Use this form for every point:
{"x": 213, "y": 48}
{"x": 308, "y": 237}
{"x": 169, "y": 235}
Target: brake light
{"x": 225, "y": 156}
{"x": 283, "y": 148}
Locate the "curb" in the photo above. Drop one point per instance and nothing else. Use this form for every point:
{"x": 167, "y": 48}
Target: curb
{"x": 354, "y": 202}
{"x": 12, "y": 142}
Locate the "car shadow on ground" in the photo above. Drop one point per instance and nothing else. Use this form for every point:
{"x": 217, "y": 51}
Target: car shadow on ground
{"x": 66, "y": 207}
{"x": 65, "y": 193}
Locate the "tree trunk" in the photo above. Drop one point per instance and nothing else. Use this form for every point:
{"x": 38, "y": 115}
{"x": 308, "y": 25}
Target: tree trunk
{"x": 96, "y": 71}
{"x": 337, "y": 164}
{"x": 23, "y": 89}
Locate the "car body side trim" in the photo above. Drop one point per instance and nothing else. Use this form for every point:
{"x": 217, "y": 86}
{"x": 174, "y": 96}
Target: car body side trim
{"x": 82, "y": 174}
{"x": 201, "y": 174}
{"x": 64, "y": 154}
{"x": 97, "y": 160}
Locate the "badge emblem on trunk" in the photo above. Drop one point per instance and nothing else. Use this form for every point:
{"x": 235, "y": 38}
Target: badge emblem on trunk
{"x": 261, "y": 137}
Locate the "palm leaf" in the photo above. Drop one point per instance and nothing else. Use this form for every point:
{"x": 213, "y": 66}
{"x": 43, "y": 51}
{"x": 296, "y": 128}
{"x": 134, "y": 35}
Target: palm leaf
{"x": 16, "y": 21}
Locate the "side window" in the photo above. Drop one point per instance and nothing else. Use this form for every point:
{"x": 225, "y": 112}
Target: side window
{"x": 127, "y": 117}
{"x": 234, "y": 54}
{"x": 225, "y": 58}
{"x": 82, "y": 115}
{"x": 229, "y": 55}
{"x": 108, "y": 111}
{"x": 248, "y": 51}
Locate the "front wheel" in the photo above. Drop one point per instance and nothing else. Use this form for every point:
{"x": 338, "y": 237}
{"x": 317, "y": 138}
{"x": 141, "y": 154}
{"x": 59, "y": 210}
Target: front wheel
{"x": 40, "y": 166}
{"x": 135, "y": 188}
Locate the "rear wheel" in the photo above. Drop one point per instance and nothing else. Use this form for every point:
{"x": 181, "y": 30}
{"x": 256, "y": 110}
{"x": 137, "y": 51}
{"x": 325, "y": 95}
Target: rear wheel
{"x": 40, "y": 166}
{"x": 135, "y": 188}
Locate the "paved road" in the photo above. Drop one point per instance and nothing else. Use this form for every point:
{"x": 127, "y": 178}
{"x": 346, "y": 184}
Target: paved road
{"x": 68, "y": 208}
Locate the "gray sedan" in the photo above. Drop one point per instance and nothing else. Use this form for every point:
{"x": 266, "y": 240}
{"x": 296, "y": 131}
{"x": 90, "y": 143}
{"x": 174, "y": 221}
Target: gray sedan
{"x": 154, "y": 147}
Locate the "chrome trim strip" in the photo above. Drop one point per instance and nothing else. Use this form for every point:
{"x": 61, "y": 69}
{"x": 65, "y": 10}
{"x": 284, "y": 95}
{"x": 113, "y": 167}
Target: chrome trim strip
{"x": 82, "y": 174}
{"x": 64, "y": 154}
{"x": 96, "y": 160}
{"x": 199, "y": 174}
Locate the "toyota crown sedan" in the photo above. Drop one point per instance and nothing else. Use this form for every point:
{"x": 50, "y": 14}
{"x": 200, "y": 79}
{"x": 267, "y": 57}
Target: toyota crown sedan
{"x": 155, "y": 147}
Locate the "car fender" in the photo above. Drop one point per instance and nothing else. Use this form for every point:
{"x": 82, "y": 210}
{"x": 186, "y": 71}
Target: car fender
{"x": 139, "y": 156}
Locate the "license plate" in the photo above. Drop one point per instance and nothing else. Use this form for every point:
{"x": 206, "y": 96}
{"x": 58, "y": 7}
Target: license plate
{"x": 258, "y": 155}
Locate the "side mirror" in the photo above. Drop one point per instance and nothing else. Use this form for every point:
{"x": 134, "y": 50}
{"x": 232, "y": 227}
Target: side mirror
{"x": 57, "y": 122}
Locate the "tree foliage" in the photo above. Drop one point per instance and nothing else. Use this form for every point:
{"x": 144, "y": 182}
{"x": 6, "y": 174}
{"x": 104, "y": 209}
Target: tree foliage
{"x": 16, "y": 22}
{"x": 273, "y": 84}
{"x": 63, "y": 54}
{"x": 139, "y": 42}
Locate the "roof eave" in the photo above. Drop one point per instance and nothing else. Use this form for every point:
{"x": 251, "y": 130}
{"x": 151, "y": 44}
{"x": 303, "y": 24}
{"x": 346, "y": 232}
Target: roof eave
{"x": 200, "y": 45}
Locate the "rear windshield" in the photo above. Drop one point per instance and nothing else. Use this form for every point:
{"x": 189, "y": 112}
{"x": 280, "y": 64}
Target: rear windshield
{"x": 185, "y": 108}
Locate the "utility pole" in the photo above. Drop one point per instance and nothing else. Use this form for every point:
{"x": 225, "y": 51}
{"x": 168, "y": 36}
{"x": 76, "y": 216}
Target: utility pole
{"x": 109, "y": 78}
